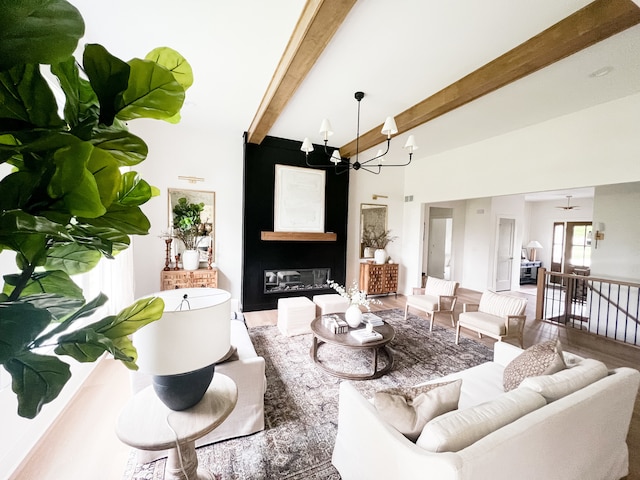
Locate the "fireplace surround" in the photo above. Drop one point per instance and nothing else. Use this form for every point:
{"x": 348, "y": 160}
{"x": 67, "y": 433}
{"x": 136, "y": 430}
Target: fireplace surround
{"x": 287, "y": 253}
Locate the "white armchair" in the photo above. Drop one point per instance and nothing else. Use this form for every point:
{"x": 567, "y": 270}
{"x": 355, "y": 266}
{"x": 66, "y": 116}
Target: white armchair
{"x": 498, "y": 316}
{"x": 437, "y": 297}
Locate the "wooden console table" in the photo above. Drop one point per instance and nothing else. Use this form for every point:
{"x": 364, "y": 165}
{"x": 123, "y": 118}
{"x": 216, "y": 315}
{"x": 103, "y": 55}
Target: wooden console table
{"x": 201, "y": 278}
{"x": 379, "y": 279}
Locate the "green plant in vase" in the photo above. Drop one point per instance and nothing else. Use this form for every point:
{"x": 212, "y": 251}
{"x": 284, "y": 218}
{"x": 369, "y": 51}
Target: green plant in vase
{"x": 66, "y": 202}
{"x": 188, "y": 228}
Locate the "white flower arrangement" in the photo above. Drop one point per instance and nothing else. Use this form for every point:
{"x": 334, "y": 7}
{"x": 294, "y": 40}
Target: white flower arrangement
{"x": 354, "y": 295}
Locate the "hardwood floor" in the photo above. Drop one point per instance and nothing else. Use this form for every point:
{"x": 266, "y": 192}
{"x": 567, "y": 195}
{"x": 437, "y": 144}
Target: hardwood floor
{"x": 82, "y": 444}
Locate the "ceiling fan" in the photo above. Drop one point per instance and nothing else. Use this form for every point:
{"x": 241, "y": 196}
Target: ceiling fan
{"x": 569, "y": 206}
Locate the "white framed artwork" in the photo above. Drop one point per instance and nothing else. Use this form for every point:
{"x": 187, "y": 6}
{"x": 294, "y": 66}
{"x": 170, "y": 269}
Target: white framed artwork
{"x": 299, "y": 199}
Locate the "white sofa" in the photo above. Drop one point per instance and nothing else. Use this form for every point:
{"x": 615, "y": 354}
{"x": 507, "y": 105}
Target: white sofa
{"x": 248, "y": 371}
{"x": 579, "y": 436}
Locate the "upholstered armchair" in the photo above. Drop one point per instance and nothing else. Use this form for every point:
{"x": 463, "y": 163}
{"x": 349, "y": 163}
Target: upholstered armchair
{"x": 438, "y": 297}
{"x": 497, "y": 315}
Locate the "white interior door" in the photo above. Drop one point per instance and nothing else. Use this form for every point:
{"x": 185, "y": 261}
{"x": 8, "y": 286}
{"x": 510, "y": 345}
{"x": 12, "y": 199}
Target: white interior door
{"x": 504, "y": 261}
{"x": 437, "y": 247}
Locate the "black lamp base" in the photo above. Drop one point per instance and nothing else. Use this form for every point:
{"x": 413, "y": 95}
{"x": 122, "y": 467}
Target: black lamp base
{"x": 183, "y": 390}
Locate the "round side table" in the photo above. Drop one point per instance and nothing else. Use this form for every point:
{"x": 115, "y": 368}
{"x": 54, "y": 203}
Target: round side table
{"x": 146, "y": 423}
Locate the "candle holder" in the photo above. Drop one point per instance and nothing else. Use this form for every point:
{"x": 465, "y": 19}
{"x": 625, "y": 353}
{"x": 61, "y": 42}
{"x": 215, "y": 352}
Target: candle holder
{"x": 167, "y": 258}
{"x": 177, "y": 262}
{"x": 209, "y": 257}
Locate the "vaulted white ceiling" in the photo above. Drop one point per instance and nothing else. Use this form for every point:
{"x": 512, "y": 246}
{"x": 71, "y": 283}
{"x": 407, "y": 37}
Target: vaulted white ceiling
{"x": 398, "y": 53}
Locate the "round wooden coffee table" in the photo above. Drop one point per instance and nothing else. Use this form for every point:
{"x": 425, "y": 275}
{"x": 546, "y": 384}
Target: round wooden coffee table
{"x": 323, "y": 335}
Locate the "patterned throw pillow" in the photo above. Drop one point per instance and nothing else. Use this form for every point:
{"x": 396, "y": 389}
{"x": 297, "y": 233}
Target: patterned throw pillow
{"x": 541, "y": 359}
{"x": 409, "y": 409}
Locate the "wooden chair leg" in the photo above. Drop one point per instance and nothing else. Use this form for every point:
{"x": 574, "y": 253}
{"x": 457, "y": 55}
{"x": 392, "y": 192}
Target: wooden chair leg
{"x": 431, "y": 321}
{"x": 453, "y": 322}
{"x": 406, "y": 309}
{"x": 457, "y": 333}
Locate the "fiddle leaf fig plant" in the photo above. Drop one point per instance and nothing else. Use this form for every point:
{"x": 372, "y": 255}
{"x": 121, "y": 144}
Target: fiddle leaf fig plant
{"x": 65, "y": 201}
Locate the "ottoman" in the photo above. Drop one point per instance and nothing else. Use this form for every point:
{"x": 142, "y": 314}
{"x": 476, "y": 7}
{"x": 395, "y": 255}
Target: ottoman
{"x": 295, "y": 315}
{"x": 330, "y": 303}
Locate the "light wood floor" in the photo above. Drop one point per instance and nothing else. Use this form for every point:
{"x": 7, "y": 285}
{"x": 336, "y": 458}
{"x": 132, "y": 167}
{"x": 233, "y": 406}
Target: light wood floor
{"x": 83, "y": 444}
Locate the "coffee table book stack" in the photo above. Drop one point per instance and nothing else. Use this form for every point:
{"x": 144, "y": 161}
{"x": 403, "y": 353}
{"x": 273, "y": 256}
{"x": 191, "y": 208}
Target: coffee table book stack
{"x": 334, "y": 324}
{"x": 364, "y": 336}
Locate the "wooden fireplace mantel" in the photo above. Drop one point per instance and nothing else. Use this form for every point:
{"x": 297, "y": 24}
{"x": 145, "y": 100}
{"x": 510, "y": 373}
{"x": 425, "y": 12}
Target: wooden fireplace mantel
{"x": 298, "y": 236}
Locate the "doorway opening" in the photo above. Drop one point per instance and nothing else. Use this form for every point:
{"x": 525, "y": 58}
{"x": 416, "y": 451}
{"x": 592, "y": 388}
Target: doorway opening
{"x": 439, "y": 244}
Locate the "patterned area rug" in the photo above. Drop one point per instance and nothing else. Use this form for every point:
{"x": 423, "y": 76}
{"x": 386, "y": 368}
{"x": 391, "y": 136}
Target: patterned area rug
{"x": 301, "y": 402}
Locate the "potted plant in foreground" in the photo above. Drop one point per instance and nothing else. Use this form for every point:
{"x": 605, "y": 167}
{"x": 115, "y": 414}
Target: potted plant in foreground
{"x": 66, "y": 202}
{"x": 187, "y": 224}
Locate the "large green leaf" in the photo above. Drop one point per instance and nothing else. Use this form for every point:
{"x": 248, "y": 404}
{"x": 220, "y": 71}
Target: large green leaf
{"x": 26, "y": 100}
{"x": 174, "y": 62}
{"x": 85, "y": 310}
{"x": 81, "y": 109}
{"x": 38, "y": 31}
{"x": 109, "y": 77}
{"x": 20, "y": 324}
{"x": 126, "y": 148}
{"x": 36, "y": 380}
{"x": 45, "y": 282}
{"x": 130, "y": 319}
{"x": 129, "y": 220}
{"x": 58, "y": 306}
{"x": 88, "y": 343}
{"x": 74, "y": 183}
{"x": 104, "y": 239}
{"x": 14, "y": 222}
{"x": 106, "y": 173}
{"x": 133, "y": 190}
{"x": 72, "y": 259}
{"x": 153, "y": 92}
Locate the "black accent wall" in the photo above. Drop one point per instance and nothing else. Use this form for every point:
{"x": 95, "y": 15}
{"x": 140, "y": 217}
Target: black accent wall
{"x": 258, "y": 255}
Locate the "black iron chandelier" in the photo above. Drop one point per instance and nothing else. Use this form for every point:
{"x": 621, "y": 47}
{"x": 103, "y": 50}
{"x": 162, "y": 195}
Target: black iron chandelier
{"x": 342, "y": 165}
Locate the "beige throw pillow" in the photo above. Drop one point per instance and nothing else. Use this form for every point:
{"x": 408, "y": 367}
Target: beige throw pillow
{"x": 409, "y": 409}
{"x": 541, "y": 359}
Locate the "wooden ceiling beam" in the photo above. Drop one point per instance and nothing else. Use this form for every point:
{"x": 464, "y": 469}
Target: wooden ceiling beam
{"x": 593, "y": 23}
{"x": 319, "y": 21}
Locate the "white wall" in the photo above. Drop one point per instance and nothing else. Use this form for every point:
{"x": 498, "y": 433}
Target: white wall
{"x": 596, "y": 146}
{"x": 362, "y": 186}
{"x": 618, "y": 255}
{"x": 179, "y": 150}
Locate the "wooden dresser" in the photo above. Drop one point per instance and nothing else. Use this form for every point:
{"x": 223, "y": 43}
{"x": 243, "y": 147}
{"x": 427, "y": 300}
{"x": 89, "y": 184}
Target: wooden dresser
{"x": 201, "y": 278}
{"x": 378, "y": 279}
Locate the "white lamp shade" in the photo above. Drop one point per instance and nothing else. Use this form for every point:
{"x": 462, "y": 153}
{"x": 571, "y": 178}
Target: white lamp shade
{"x": 188, "y": 339}
{"x": 411, "y": 144}
{"x": 389, "y": 128}
{"x": 335, "y": 156}
{"x": 325, "y": 129}
{"x": 534, "y": 244}
{"x": 307, "y": 146}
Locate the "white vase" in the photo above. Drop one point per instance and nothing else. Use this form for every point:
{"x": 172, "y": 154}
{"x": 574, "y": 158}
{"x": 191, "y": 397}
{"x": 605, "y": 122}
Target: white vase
{"x": 368, "y": 252}
{"x": 380, "y": 256}
{"x": 353, "y": 316}
{"x": 190, "y": 259}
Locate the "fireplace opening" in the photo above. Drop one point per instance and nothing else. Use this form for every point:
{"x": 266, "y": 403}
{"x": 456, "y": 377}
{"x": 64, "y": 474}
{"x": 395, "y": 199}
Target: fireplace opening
{"x": 296, "y": 279}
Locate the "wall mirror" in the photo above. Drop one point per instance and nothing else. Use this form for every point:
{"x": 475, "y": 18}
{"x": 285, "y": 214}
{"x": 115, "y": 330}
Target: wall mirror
{"x": 207, "y": 219}
{"x": 373, "y": 222}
